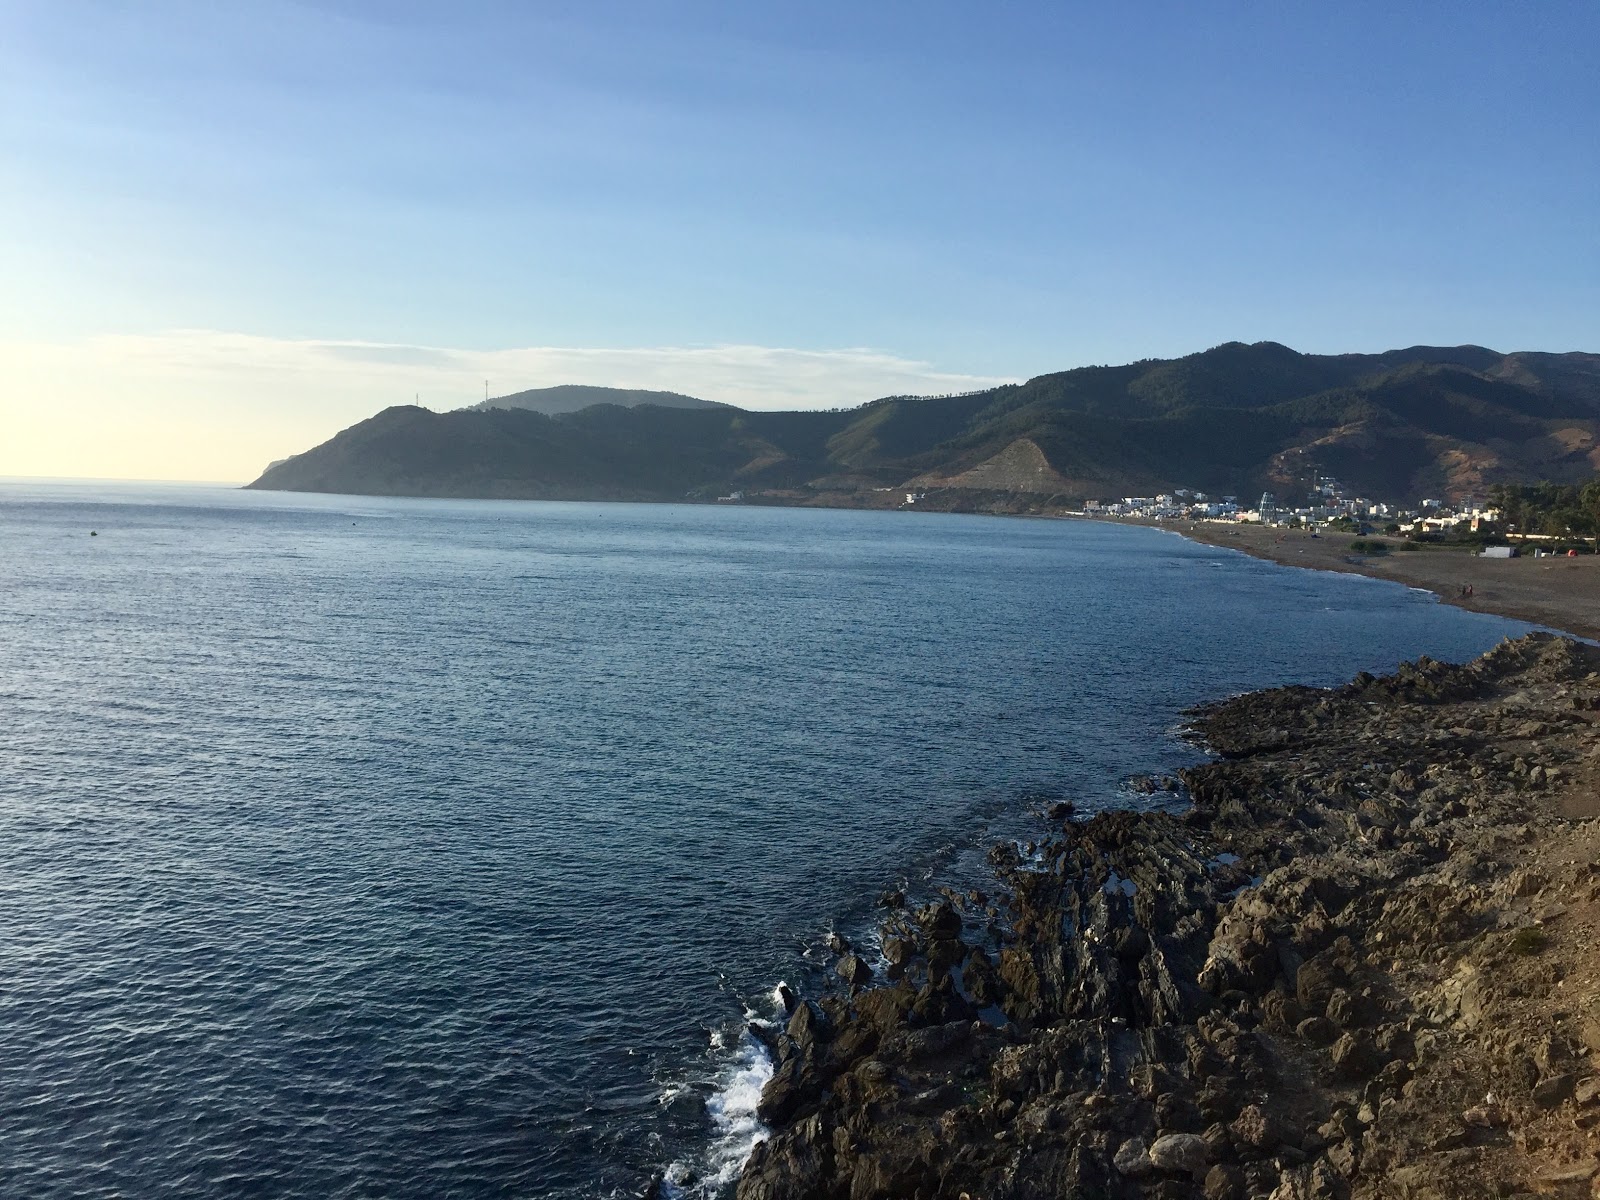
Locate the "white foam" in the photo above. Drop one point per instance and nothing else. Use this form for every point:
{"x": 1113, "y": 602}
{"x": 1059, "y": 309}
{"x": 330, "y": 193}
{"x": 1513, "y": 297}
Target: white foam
{"x": 743, "y": 1070}
{"x": 732, "y": 1107}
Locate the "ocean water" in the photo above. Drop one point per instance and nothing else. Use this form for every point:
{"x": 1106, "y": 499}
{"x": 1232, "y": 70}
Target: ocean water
{"x": 358, "y": 847}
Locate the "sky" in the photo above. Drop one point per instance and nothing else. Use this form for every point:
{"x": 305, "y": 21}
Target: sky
{"x": 229, "y": 230}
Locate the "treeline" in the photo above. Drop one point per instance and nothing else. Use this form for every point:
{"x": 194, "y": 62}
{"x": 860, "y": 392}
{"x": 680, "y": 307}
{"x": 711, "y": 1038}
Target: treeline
{"x": 1553, "y": 509}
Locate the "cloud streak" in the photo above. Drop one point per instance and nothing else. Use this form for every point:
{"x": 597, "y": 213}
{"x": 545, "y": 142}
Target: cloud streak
{"x": 763, "y": 377}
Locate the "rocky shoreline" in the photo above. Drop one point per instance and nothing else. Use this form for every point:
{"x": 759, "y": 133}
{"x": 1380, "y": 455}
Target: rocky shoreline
{"x": 1359, "y": 964}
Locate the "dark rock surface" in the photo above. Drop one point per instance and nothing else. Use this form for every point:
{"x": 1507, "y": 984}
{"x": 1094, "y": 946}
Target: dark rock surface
{"x": 1257, "y": 997}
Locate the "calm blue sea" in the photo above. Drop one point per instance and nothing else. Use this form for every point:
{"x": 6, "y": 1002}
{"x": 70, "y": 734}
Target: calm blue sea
{"x": 403, "y": 848}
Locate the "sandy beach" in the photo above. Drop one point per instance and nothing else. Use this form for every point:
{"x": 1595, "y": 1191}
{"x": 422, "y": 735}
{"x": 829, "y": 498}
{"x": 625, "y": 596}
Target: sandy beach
{"x": 1562, "y": 593}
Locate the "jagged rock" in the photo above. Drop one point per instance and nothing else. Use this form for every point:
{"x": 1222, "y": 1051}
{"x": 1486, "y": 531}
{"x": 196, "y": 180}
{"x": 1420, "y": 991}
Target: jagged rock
{"x": 807, "y": 1026}
{"x": 1280, "y": 1013}
{"x": 1554, "y": 1090}
{"x": 1316, "y": 983}
{"x": 1225, "y": 1182}
{"x": 1257, "y": 1129}
{"x": 940, "y": 920}
{"x": 854, "y": 971}
{"x": 1354, "y": 1056}
{"x": 898, "y": 950}
{"x": 1348, "y": 1010}
{"x": 783, "y": 1094}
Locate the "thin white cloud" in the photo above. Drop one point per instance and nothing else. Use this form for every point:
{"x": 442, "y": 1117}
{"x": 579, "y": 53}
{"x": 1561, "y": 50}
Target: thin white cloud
{"x": 206, "y": 404}
{"x": 764, "y": 377}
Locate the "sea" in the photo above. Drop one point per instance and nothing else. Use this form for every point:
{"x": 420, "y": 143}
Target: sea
{"x": 358, "y": 847}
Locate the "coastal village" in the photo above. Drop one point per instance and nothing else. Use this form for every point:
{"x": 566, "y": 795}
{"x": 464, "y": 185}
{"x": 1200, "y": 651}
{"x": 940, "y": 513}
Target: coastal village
{"x": 1329, "y": 503}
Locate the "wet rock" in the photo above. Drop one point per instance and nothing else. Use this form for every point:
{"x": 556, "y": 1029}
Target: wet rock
{"x": 940, "y": 920}
{"x": 983, "y": 984}
{"x": 807, "y": 1026}
{"x": 899, "y": 951}
{"x": 854, "y": 971}
{"x": 783, "y": 1094}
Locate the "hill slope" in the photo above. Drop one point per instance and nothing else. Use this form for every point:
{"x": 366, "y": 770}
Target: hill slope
{"x": 1234, "y": 419}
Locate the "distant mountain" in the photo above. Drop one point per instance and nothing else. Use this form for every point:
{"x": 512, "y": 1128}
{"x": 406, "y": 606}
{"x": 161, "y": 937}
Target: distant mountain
{"x": 572, "y": 397}
{"x": 1425, "y": 421}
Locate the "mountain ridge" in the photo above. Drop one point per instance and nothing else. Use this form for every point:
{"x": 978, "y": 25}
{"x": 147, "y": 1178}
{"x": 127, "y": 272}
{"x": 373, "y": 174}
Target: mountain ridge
{"x": 1237, "y": 418}
{"x": 574, "y": 397}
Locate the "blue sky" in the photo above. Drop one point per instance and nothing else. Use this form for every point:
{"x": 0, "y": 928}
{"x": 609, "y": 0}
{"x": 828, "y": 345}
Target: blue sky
{"x": 966, "y": 192}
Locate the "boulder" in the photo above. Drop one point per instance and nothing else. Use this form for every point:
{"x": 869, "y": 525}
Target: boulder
{"x": 1180, "y": 1153}
{"x": 1133, "y": 1158}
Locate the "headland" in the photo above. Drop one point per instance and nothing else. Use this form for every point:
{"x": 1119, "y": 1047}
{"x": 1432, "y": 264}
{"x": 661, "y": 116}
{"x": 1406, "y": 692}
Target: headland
{"x": 1352, "y": 958}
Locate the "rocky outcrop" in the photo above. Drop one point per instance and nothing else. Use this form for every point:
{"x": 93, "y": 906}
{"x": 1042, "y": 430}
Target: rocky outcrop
{"x": 1281, "y": 992}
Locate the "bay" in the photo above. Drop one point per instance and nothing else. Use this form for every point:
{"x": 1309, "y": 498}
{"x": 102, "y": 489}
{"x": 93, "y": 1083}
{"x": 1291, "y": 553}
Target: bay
{"x": 360, "y": 847}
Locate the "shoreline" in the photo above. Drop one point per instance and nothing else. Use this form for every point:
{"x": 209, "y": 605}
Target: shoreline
{"x": 1558, "y": 594}
{"x": 1562, "y": 594}
{"x": 1359, "y": 967}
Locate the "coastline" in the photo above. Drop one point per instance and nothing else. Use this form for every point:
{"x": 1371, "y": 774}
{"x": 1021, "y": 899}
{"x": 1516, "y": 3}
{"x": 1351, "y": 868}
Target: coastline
{"x": 1359, "y": 966}
{"x": 1558, "y": 593}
